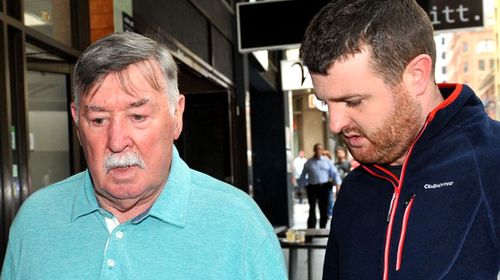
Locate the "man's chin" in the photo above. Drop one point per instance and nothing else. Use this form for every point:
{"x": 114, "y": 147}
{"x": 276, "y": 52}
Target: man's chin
{"x": 363, "y": 155}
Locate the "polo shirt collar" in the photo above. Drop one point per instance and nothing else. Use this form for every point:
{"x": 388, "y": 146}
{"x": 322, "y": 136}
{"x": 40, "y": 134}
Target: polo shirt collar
{"x": 170, "y": 207}
{"x": 172, "y": 204}
{"x": 84, "y": 200}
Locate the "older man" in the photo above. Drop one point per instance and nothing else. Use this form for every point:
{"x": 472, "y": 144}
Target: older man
{"x": 138, "y": 212}
{"x": 425, "y": 203}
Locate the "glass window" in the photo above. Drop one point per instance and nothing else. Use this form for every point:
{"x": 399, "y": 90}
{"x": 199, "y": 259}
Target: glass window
{"x": 465, "y": 47}
{"x": 48, "y": 128}
{"x": 230, "y": 3}
{"x": 485, "y": 46}
{"x": 38, "y": 53}
{"x": 51, "y": 17}
{"x": 443, "y": 70}
{"x": 481, "y": 65}
{"x": 492, "y": 63}
{"x": 466, "y": 67}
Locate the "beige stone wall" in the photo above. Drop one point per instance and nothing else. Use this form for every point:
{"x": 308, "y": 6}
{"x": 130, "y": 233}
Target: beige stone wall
{"x": 313, "y": 129}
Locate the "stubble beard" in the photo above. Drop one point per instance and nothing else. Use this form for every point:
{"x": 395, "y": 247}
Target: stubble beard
{"x": 392, "y": 140}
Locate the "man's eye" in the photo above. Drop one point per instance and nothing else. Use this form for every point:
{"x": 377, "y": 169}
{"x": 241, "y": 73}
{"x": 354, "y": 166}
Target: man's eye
{"x": 97, "y": 121}
{"x": 353, "y": 103}
{"x": 139, "y": 117}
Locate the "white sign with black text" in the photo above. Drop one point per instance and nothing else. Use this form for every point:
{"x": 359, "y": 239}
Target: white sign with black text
{"x": 294, "y": 76}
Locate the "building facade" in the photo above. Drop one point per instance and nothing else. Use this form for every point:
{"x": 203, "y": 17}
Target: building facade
{"x": 235, "y": 111}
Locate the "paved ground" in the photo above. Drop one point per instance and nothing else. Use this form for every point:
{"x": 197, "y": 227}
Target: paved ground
{"x": 301, "y": 212}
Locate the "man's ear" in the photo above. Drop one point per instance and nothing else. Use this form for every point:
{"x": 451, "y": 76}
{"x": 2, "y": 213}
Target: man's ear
{"x": 74, "y": 114}
{"x": 417, "y": 74}
{"x": 179, "y": 111}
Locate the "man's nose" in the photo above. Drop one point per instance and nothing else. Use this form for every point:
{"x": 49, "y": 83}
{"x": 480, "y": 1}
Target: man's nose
{"x": 118, "y": 135}
{"x": 338, "y": 118}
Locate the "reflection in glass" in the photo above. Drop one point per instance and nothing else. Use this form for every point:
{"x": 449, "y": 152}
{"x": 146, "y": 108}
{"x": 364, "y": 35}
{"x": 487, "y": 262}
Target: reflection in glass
{"x": 48, "y": 128}
{"x": 51, "y": 17}
{"x": 33, "y": 52}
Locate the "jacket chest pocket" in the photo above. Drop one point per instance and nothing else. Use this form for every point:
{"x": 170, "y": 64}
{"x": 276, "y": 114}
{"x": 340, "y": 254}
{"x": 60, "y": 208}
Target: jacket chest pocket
{"x": 434, "y": 225}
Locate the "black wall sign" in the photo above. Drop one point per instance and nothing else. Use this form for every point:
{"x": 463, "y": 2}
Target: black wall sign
{"x": 448, "y": 14}
{"x": 274, "y": 24}
{"x": 281, "y": 24}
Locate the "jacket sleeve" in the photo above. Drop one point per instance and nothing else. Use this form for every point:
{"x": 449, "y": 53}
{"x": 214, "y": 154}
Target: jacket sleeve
{"x": 492, "y": 196}
{"x": 487, "y": 155}
{"x": 330, "y": 266}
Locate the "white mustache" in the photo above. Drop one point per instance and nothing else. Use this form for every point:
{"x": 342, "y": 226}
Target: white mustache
{"x": 123, "y": 160}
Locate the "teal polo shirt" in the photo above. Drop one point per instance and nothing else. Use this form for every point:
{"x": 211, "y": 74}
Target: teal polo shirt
{"x": 198, "y": 228}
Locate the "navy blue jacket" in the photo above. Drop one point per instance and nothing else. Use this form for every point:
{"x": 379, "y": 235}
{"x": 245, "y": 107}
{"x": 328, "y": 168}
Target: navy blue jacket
{"x": 444, "y": 222}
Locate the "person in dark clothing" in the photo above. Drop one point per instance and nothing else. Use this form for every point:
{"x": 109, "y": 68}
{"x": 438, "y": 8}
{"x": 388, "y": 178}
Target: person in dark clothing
{"x": 425, "y": 202}
{"x": 341, "y": 162}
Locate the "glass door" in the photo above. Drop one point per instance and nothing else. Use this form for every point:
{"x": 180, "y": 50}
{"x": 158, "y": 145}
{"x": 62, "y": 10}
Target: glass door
{"x": 49, "y": 127}
{"x": 49, "y": 156}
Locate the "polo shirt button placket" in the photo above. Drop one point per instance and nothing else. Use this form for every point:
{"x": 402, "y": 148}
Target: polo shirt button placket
{"x": 119, "y": 234}
{"x": 110, "y": 263}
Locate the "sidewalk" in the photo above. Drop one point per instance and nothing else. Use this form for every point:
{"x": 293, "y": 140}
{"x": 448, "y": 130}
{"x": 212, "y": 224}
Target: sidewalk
{"x": 301, "y": 213}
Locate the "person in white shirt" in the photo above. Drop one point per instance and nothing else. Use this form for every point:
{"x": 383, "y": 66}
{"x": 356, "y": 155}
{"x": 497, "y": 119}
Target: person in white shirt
{"x": 297, "y": 167}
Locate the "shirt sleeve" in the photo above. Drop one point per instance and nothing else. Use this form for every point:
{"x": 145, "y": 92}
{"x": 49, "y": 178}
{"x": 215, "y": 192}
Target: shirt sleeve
{"x": 8, "y": 269}
{"x": 268, "y": 262}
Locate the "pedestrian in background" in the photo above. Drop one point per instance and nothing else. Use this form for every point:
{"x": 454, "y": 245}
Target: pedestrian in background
{"x": 318, "y": 175}
{"x": 341, "y": 162}
{"x": 331, "y": 198}
{"x": 297, "y": 167}
{"x": 425, "y": 202}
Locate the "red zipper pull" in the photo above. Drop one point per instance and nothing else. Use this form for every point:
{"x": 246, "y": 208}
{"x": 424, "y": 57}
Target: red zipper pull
{"x": 390, "y": 208}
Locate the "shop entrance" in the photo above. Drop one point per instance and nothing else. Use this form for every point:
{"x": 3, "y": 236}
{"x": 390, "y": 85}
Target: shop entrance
{"x": 204, "y": 143}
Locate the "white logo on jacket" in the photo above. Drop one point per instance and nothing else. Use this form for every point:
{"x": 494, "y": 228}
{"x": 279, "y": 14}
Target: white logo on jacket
{"x": 439, "y": 185}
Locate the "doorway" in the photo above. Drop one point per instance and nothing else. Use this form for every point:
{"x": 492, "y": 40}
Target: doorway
{"x": 205, "y": 141}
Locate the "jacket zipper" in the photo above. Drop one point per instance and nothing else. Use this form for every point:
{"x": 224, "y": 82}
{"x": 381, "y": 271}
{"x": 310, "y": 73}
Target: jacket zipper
{"x": 388, "y": 219}
{"x": 395, "y": 206}
{"x": 387, "y": 248}
{"x": 450, "y": 99}
{"x": 408, "y": 205}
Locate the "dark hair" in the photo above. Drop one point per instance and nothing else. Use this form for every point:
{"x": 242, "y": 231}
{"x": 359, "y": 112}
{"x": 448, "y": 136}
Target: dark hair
{"x": 341, "y": 148}
{"x": 396, "y": 31}
{"x": 115, "y": 53}
{"x": 316, "y": 146}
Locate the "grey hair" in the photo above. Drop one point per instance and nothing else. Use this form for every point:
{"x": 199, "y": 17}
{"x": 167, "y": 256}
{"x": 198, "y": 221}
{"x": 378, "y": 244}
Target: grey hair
{"x": 114, "y": 54}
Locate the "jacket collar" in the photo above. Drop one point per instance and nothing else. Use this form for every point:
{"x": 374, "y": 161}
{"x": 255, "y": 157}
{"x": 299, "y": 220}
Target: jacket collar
{"x": 456, "y": 98}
